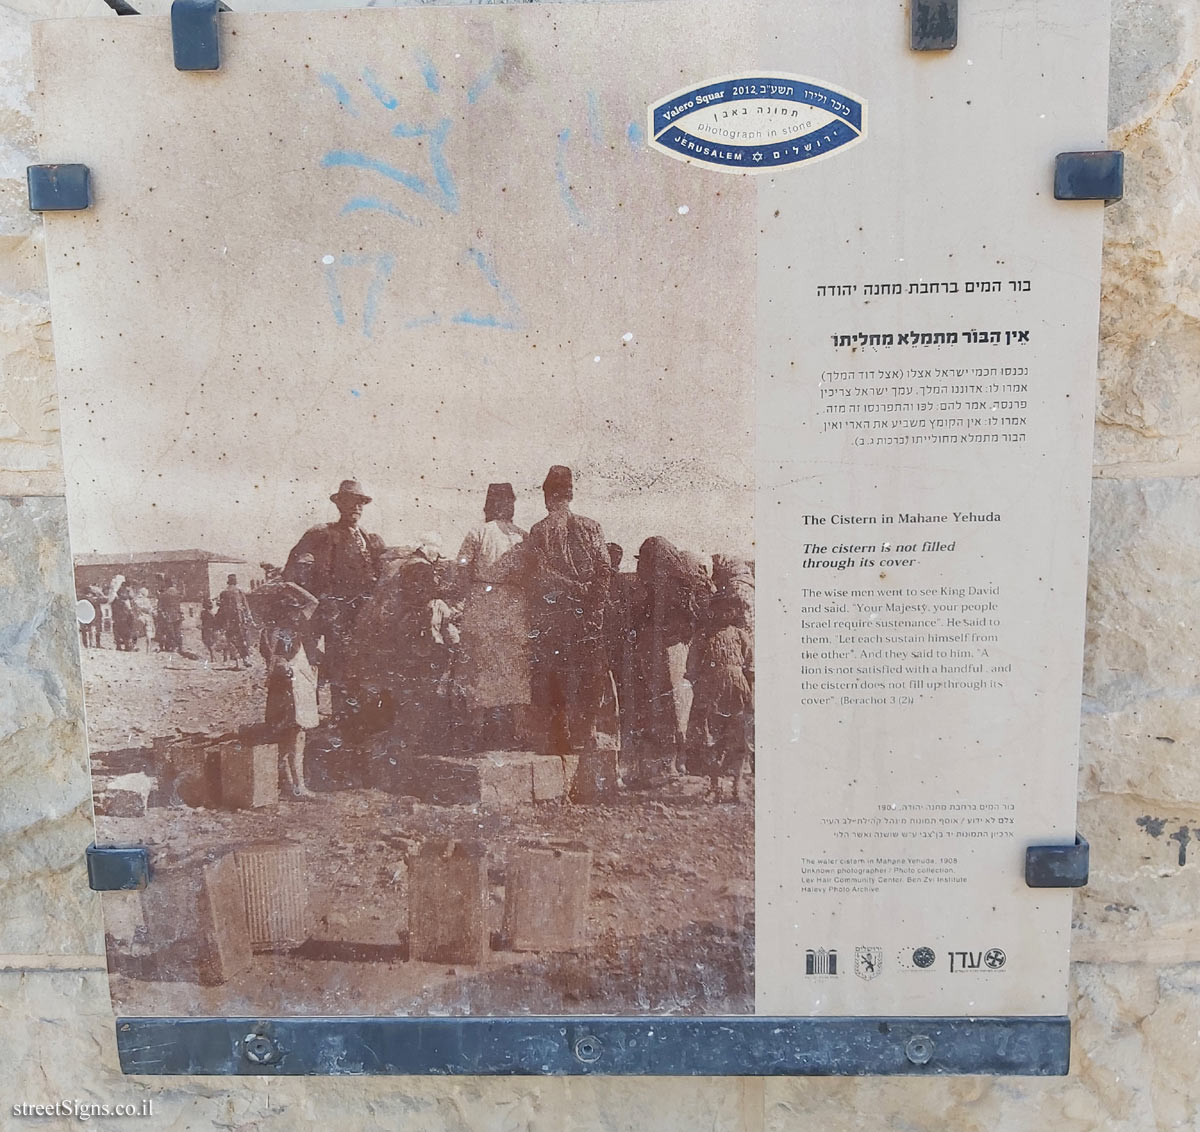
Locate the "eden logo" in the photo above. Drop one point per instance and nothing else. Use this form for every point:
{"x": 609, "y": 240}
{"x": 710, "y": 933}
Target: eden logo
{"x": 991, "y": 960}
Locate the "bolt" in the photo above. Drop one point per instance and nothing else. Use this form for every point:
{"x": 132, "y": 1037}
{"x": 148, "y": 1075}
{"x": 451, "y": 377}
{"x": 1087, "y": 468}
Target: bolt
{"x": 588, "y": 1049}
{"x": 260, "y": 1049}
{"x": 919, "y": 1049}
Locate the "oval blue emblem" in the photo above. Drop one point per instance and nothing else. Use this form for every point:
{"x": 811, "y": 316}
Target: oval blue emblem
{"x": 759, "y": 122}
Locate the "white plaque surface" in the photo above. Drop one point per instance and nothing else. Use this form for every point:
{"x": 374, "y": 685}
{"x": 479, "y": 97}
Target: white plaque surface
{"x": 799, "y": 312}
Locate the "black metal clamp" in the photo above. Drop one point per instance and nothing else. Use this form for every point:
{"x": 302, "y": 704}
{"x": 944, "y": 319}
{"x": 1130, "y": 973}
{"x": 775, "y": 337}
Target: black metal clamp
{"x": 58, "y": 188}
{"x": 195, "y": 37}
{"x": 113, "y": 869}
{"x": 1097, "y": 174}
{"x": 934, "y": 25}
{"x": 1057, "y": 866}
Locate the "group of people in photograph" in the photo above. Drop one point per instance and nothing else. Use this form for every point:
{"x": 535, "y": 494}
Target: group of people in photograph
{"x": 139, "y": 619}
{"x": 532, "y": 639}
{"x": 526, "y": 639}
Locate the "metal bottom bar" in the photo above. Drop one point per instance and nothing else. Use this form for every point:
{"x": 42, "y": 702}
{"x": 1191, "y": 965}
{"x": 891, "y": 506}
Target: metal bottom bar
{"x": 668, "y": 1046}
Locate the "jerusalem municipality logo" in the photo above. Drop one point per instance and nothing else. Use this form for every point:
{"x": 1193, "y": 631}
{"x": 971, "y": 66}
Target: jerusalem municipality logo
{"x": 758, "y": 122}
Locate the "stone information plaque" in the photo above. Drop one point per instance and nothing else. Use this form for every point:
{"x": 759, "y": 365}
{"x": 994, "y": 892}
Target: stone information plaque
{"x": 581, "y": 509}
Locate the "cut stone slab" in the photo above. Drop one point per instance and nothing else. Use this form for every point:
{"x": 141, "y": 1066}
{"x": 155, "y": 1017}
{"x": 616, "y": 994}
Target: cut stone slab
{"x": 223, "y": 923}
{"x": 550, "y": 777}
{"x": 122, "y": 797}
{"x": 180, "y": 773}
{"x": 195, "y": 928}
{"x": 595, "y": 779}
{"x": 249, "y": 775}
{"x": 447, "y": 903}
{"x": 124, "y": 918}
{"x": 333, "y": 763}
{"x": 494, "y": 779}
{"x": 546, "y": 897}
{"x": 274, "y": 889}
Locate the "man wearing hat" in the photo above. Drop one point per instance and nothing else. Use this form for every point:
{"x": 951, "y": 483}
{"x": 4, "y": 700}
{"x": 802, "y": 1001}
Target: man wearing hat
{"x": 339, "y": 563}
{"x": 571, "y": 576}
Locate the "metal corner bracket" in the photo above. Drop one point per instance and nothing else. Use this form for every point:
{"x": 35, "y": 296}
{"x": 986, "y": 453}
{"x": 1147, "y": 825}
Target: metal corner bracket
{"x": 195, "y": 34}
{"x": 58, "y": 188}
{"x": 117, "y": 869}
{"x": 933, "y": 25}
{"x": 1057, "y": 866}
{"x": 1097, "y": 174}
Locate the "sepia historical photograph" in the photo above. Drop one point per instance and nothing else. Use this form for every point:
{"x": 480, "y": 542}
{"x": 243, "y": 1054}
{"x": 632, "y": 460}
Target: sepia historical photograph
{"x": 515, "y": 774}
{"x": 416, "y": 576}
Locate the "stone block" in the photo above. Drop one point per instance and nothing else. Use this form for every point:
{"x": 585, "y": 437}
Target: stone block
{"x": 333, "y": 763}
{"x": 595, "y": 780}
{"x": 546, "y": 897}
{"x": 184, "y": 774}
{"x": 224, "y": 932}
{"x": 122, "y": 797}
{"x": 1149, "y": 404}
{"x": 275, "y": 891}
{"x": 195, "y": 928}
{"x": 1142, "y": 700}
{"x": 494, "y": 780}
{"x": 124, "y": 917}
{"x": 1142, "y": 900}
{"x": 549, "y": 773}
{"x": 249, "y": 775}
{"x": 447, "y": 903}
{"x": 47, "y": 805}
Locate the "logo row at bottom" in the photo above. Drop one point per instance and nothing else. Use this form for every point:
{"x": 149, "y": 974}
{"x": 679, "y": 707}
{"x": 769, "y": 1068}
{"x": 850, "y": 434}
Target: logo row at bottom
{"x": 869, "y": 961}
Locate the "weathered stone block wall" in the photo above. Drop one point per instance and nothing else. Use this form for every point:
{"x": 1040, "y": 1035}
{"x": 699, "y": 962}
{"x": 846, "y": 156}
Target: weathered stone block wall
{"x": 1137, "y": 944}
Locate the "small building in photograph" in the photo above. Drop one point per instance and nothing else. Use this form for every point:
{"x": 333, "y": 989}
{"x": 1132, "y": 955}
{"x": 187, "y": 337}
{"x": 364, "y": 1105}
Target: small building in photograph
{"x": 198, "y": 574}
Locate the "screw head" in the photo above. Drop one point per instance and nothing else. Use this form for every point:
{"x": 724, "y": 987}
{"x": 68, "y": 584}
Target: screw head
{"x": 588, "y": 1049}
{"x": 261, "y": 1049}
{"x": 918, "y": 1049}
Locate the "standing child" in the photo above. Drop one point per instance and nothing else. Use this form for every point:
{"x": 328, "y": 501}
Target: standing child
{"x": 124, "y": 620}
{"x": 721, "y": 671}
{"x": 208, "y": 629}
{"x": 143, "y": 604}
{"x": 287, "y": 645}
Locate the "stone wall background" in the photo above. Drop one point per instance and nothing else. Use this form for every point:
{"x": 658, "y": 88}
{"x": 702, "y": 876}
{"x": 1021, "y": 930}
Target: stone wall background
{"x": 1136, "y": 969}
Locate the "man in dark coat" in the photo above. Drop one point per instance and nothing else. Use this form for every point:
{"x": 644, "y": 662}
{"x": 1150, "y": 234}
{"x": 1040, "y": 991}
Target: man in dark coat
{"x": 340, "y": 564}
{"x": 168, "y": 619}
{"x": 570, "y": 585}
{"x": 672, "y": 595}
{"x": 235, "y": 621}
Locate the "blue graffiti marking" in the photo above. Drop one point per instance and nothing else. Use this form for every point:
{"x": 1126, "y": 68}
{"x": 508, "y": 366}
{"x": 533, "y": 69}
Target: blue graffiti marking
{"x": 429, "y": 73}
{"x": 439, "y": 187}
{"x": 593, "y": 117}
{"x": 485, "y": 80}
{"x": 448, "y": 199}
{"x": 564, "y": 185}
{"x": 387, "y": 101}
{"x": 339, "y": 92}
{"x": 383, "y": 265}
{"x": 470, "y": 318}
{"x": 635, "y": 134}
{"x": 358, "y": 160}
{"x": 377, "y": 204}
{"x": 335, "y": 296}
